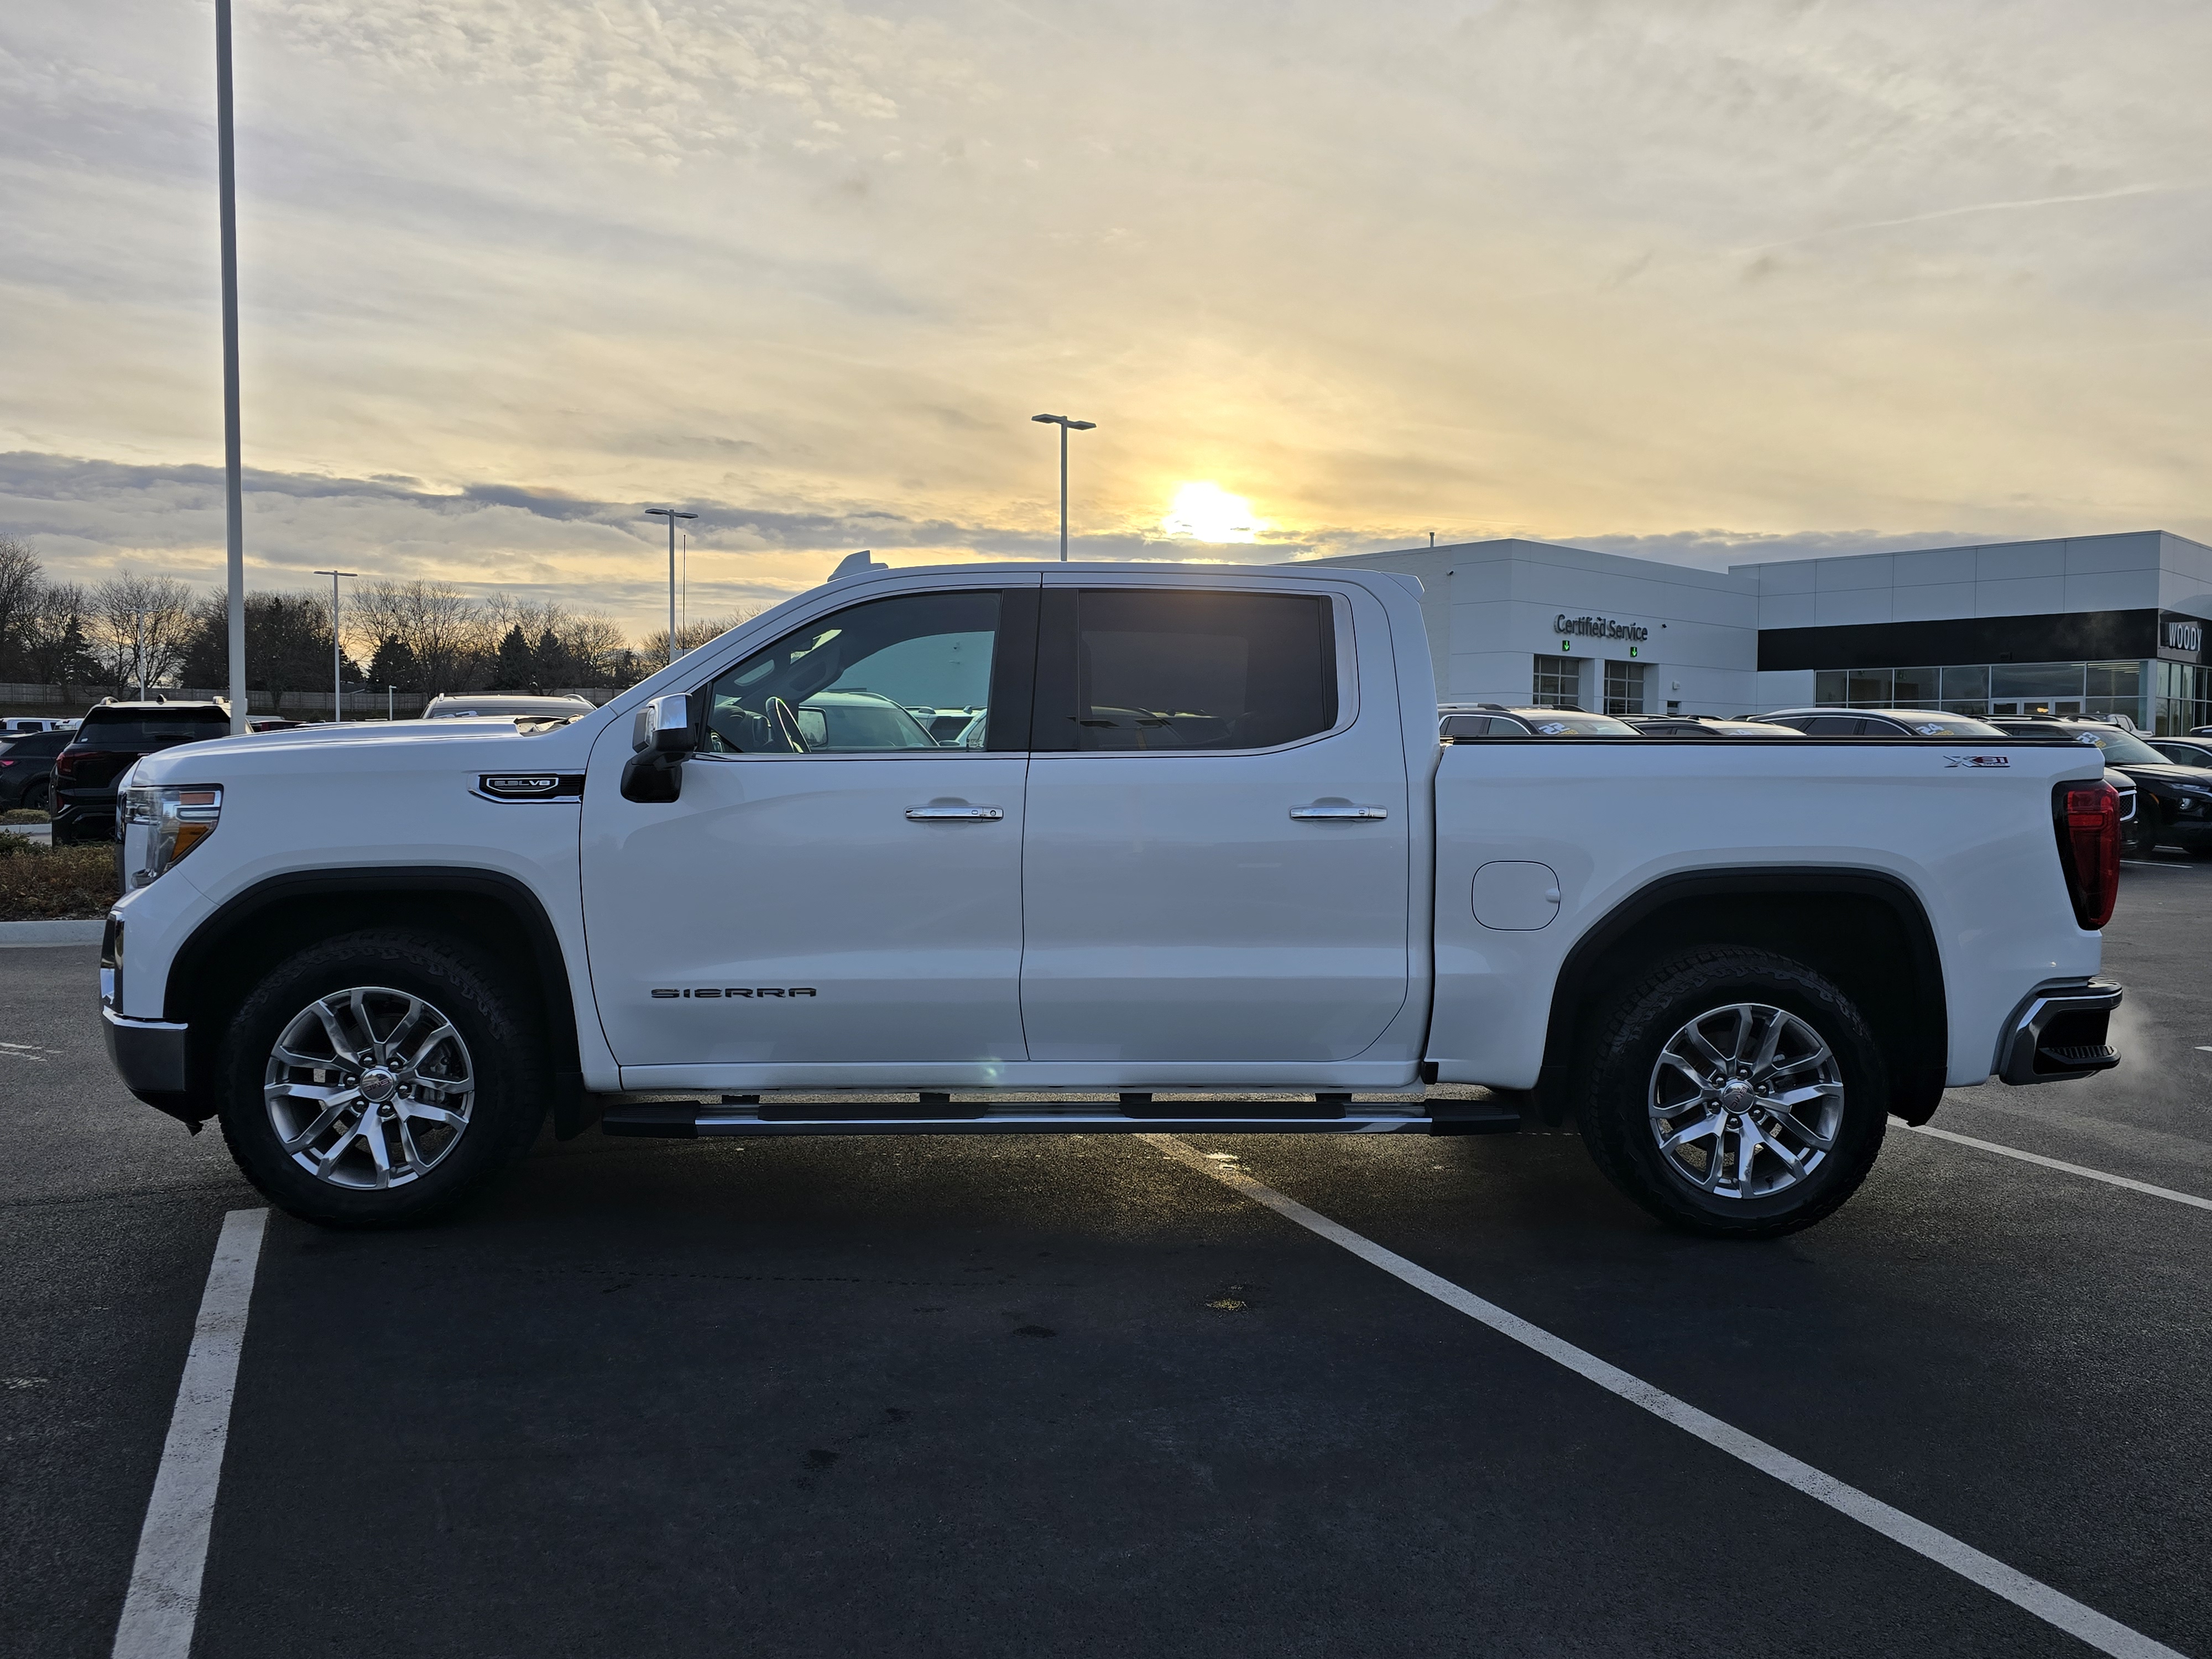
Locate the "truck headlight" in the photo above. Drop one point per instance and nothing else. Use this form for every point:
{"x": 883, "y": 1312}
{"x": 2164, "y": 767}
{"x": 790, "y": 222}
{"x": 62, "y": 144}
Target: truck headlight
{"x": 162, "y": 822}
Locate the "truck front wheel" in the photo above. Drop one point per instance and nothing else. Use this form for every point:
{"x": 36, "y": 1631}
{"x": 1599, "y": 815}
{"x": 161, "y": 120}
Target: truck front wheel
{"x": 378, "y": 1079}
{"x": 1735, "y": 1093}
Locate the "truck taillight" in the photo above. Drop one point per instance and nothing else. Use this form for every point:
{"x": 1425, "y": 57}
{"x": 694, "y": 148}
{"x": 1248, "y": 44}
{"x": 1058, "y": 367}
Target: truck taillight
{"x": 2088, "y": 820}
{"x": 65, "y": 764}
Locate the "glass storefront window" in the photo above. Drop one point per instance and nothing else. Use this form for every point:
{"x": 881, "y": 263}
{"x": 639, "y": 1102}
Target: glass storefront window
{"x": 1914, "y": 688}
{"x": 2115, "y": 679}
{"x": 1968, "y": 685}
{"x": 1831, "y": 687}
{"x": 1868, "y": 688}
{"x": 2041, "y": 681}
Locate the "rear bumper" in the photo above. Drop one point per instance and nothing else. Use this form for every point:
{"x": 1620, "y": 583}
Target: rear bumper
{"x": 78, "y": 821}
{"x": 149, "y": 1056}
{"x": 2058, "y": 1032}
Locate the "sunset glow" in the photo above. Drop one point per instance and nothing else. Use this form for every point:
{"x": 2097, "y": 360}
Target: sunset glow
{"x": 1207, "y": 512}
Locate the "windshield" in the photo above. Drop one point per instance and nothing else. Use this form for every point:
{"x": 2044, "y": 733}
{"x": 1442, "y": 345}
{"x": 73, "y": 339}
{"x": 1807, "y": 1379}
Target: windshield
{"x": 2121, "y": 750}
{"x": 1573, "y": 723}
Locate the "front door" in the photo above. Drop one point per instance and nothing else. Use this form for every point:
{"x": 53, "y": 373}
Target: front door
{"x": 839, "y": 883}
{"x": 1217, "y": 860}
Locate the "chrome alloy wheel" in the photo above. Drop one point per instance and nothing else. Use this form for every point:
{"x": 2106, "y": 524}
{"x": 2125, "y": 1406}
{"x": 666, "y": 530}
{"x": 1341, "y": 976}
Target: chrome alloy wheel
{"x": 369, "y": 1088}
{"x": 1745, "y": 1101}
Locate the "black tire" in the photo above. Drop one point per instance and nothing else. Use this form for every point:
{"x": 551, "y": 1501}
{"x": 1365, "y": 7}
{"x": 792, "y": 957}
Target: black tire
{"x": 502, "y": 1052}
{"x": 1614, "y": 1091}
{"x": 39, "y": 796}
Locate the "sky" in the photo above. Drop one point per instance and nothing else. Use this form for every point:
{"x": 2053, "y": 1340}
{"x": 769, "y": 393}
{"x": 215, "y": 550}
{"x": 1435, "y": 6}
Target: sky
{"x": 1707, "y": 282}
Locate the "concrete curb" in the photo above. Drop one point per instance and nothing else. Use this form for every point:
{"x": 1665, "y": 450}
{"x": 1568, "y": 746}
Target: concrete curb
{"x": 50, "y": 932}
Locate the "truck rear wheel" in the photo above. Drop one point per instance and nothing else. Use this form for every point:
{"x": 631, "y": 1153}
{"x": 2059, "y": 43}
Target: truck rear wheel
{"x": 378, "y": 1079}
{"x": 1734, "y": 1093}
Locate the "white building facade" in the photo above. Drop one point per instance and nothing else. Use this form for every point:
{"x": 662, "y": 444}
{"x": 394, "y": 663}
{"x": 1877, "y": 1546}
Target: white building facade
{"x": 1519, "y": 622}
{"x": 2097, "y": 625}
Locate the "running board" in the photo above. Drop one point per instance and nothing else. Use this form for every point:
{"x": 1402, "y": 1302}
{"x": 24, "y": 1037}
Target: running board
{"x": 936, "y": 1114}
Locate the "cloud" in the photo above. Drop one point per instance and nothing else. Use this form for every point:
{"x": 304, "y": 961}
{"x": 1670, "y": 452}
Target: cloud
{"x": 513, "y": 269}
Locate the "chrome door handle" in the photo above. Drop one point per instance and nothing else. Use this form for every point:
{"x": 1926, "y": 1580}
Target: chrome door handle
{"x": 1334, "y": 809}
{"x": 956, "y": 814}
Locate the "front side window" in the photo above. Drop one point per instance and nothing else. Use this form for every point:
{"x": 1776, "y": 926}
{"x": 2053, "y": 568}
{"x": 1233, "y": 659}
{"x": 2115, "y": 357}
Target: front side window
{"x": 890, "y": 676}
{"x": 1133, "y": 669}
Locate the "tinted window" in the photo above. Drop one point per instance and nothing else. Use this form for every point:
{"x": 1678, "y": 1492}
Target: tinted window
{"x": 39, "y": 742}
{"x": 142, "y": 732}
{"x": 1132, "y": 669}
{"x": 1829, "y": 726}
{"x": 1573, "y": 723}
{"x": 908, "y": 674}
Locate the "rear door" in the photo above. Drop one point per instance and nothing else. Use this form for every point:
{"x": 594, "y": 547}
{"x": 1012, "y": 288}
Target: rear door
{"x": 1216, "y": 866}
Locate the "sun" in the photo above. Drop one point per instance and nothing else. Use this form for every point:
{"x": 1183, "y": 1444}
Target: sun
{"x": 1207, "y": 512}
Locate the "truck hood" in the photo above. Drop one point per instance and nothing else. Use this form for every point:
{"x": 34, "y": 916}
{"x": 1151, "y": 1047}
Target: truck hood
{"x": 441, "y": 745}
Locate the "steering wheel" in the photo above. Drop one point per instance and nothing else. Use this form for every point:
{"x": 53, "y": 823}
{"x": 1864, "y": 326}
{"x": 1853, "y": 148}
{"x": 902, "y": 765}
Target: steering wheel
{"x": 786, "y": 725}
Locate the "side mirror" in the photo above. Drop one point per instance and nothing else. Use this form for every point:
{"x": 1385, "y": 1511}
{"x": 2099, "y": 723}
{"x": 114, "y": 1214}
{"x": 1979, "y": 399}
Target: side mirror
{"x": 663, "y": 726}
{"x": 662, "y": 736}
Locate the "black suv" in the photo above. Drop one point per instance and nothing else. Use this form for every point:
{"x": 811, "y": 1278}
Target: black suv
{"x": 110, "y": 735}
{"x": 2175, "y": 801}
{"x": 27, "y": 770}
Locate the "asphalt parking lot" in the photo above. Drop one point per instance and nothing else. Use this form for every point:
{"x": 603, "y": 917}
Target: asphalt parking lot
{"x": 985, "y": 1396}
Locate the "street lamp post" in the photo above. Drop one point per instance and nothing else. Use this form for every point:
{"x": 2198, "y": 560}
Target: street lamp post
{"x": 1066, "y": 426}
{"x": 672, "y": 515}
{"x": 337, "y": 673}
{"x": 233, "y": 497}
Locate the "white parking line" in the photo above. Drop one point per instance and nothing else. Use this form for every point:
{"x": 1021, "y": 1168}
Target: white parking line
{"x": 164, "y": 1601}
{"x": 2105, "y": 1635}
{"x": 2083, "y": 1170}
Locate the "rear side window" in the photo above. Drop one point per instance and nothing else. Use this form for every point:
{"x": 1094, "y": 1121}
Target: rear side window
{"x": 146, "y": 732}
{"x": 39, "y": 742}
{"x": 1158, "y": 670}
{"x": 1830, "y": 725}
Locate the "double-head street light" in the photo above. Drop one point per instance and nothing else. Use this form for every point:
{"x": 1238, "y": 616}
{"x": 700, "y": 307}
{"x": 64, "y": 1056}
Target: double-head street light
{"x": 672, "y": 515}
{"x": 1066, "y": 426}
{"x": 337, "y": 662}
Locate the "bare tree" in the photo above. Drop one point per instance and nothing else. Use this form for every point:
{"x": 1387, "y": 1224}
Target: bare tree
{"x": 691, "y": 636}
{"x": 442, "y": 630}
{"x": 22, "y": 581}
{"x": 141, "y": 627}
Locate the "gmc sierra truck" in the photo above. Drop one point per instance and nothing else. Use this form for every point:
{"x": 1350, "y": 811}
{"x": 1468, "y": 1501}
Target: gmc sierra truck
{"x": 1199, "y": 860}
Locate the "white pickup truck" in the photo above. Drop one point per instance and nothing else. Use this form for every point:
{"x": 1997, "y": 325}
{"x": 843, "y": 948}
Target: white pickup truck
{"x": 1189, "y": 854}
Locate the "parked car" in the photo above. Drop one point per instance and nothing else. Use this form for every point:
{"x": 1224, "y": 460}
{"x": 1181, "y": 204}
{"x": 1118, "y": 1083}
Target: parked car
{"x": 2174, "y": 800}
{"x": 1933, "y": 723}
{"x": 454, "y": 706}
{"x": 23, "y": 726}
{"x": 110, "y": 735}
{"x": 27, "y": 770}
{"x": 1459, "y": 721}
{"x": 1210, "y": 842}
{"x": 1706, "y": 726}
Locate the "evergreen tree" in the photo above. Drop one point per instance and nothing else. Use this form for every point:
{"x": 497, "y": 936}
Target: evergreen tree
{"x": 516, "y": 669}
{"x": 393, "y": 664}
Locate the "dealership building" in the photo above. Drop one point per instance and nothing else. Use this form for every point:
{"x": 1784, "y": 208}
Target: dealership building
{"x": 2097, "y": 625}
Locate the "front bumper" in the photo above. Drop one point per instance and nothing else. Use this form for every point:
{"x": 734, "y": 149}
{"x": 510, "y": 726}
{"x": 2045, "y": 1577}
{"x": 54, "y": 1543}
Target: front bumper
{"x": 2058, "y": 1032}
{"x": 149, "y": 1056}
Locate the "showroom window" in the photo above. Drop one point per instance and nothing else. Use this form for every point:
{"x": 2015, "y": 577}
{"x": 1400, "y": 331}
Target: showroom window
{"x": 1559, "y": 682}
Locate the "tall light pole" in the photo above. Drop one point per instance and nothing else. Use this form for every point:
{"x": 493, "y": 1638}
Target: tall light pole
{"x": 233, "y": 496}
{"x": 1066, "y": 426}
{"x": 672, "y": 515}
{"x": 338, "y": 673}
